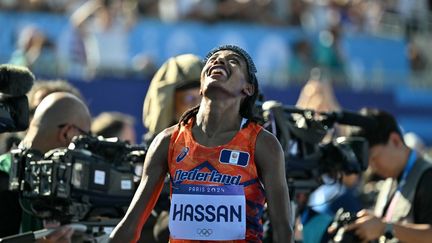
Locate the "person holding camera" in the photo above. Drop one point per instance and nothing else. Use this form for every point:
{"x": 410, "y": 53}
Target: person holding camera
{"x": 223, "y": 166}
{"x": 57, "y": 119}
{"x": 403, "y": 211}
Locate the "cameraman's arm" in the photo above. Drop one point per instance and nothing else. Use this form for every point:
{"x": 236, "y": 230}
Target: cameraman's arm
{"x": 270, "y": 162}
{"x": 154, "y": 171}
{"x": 416, "y": 233}
{"x": 59, "y": 235}
{"x": 371, "y": 227}
{"x": 368, "y": 227}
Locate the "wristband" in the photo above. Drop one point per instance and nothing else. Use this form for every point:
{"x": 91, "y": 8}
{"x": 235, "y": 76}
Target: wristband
{"x": 389, "y": 231}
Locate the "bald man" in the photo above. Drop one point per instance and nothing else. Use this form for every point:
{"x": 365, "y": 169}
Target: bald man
{"x": 58, "y": 118}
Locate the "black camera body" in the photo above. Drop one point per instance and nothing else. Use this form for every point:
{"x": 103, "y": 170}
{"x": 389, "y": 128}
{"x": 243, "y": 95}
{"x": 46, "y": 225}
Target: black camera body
{"x": 15, "y": 82}
{"x": 316, "y": 153}
{"x": 342, "y": 219}
{"x": 301, "y": 133}
{"x": 14, "y": 114}
{"x": 65, "y": 184}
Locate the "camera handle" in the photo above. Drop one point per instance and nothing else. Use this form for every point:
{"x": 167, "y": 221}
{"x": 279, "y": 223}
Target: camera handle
{"x": 35, "y": 235}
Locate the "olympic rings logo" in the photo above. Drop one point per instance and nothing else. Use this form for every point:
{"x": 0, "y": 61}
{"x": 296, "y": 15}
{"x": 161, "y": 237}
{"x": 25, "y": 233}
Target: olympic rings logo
{"x": 204, "y": 232}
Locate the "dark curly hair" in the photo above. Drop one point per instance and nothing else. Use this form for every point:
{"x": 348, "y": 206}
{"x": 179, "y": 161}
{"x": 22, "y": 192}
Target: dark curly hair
{"x": 247, "y": 109}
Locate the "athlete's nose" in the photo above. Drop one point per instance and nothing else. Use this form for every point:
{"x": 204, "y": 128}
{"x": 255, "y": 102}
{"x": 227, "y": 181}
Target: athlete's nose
{"x": 219, "y": 60}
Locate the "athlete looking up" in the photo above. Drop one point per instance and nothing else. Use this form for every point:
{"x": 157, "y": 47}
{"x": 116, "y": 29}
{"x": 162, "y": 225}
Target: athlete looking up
{"x": 223, "y": 166}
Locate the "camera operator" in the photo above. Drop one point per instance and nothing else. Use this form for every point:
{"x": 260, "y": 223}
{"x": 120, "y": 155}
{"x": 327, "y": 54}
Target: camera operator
{"x": 58, "y": 118}
{"x": 403, "y": 211}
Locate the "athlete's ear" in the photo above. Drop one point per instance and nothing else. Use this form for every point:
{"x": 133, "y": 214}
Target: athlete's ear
{"x": 249, "y": 89}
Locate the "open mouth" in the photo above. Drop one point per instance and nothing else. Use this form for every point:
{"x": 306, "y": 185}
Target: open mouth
{"x": 217, "y": 70}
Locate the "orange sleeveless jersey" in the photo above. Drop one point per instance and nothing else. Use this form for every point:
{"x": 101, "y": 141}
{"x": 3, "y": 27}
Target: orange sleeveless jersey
{"x": 186, "y": 158}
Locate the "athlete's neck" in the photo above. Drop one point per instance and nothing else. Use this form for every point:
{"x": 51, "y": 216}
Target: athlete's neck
{"x": 218, "y": 117}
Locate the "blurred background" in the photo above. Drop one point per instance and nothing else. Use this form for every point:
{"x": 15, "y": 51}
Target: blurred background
{"x": 372, "y": 52}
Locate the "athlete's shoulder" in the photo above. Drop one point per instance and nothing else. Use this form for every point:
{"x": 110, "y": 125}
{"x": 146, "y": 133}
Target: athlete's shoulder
{"x": 167, "y": 132}
{"x": 163, "y": 138}
{"x": 252, "y": 127}
{"x": 264, "y": 134}
{"x": 266, "y": 140}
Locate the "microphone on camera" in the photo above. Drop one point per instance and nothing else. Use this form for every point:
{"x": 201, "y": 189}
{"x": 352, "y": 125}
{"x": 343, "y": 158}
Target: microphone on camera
{"x": 354, "y": 119}
{"x": 15, "y": 80}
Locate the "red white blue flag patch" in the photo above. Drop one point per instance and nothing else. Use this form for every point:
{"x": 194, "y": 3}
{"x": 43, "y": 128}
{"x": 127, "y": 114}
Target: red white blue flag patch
{"x": 234, "y": 157}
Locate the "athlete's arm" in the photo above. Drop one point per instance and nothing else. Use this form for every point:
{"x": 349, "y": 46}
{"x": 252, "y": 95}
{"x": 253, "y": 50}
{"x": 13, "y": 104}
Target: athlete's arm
{"x": 154, "y": 170}
{"x": 270, "y": 162}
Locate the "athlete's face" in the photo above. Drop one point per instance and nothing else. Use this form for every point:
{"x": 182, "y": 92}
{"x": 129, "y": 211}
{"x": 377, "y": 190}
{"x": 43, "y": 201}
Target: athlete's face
{"x": 226, "y": 71}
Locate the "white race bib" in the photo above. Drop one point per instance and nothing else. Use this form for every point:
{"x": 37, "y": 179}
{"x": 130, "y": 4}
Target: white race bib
{"x": 200, "y": 212}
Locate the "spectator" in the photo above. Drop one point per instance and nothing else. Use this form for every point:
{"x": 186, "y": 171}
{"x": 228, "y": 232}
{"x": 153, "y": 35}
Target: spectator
{"x": 170, "y": 11}
{"x": 35, "y": 51}
{"x": 302, "y": 60}
{"x": 101, "y": 30}
{"x": 329, "y": 53}
{"x": 115, "y": 124}
{"x": 173, "y": 89}
{"x": 42, "y": 88}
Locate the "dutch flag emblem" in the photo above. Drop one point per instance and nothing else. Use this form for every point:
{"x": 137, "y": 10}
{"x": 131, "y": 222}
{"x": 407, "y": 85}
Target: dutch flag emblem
{"x": 234, "y": 157}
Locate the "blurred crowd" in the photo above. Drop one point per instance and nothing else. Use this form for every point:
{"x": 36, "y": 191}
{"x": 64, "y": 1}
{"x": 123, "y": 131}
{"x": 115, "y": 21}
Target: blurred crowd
{"x": 354, "y": 15}
{"x": 97, "y": 43}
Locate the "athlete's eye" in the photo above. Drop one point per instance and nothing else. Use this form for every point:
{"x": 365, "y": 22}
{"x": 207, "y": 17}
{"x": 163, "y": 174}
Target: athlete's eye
{"x": 211, "y": 59}
{"x": 234, "y": 61}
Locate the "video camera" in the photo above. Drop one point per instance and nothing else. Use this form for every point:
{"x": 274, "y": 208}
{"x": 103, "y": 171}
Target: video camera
{"x": 301, "y": 133}
{"x": 342, "y": 219}
{"x": 67, "y": 184}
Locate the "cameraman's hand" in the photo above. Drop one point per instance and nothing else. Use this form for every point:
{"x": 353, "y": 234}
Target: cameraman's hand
{"x": 367, "y": 226}
{"x": 62, "y": 234}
